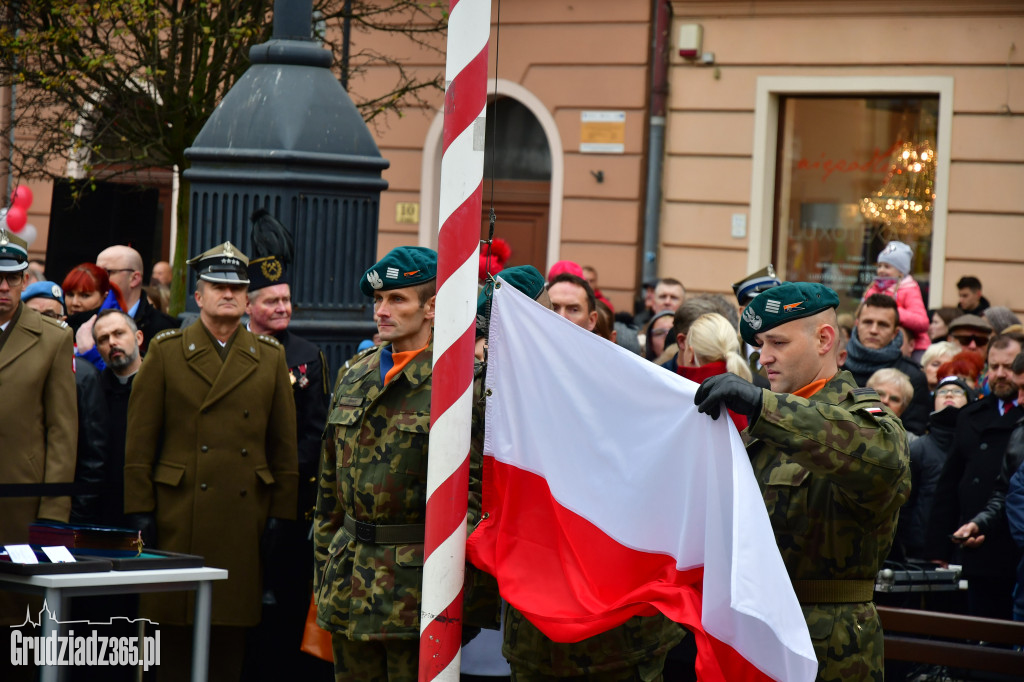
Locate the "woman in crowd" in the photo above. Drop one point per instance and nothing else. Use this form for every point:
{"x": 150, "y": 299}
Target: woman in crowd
{"x": 656, "y": 333}
{"x": 893, "y": 279}
{"x": 716, "y": 350}
{"x": 1000, "y": 317}
{"x": 85, "y": 288}
{"x": 940, "y": 319}
{"x": 928, "y": 455}
{"x": 937, "y": 353}
{"x": 966, "y": 365}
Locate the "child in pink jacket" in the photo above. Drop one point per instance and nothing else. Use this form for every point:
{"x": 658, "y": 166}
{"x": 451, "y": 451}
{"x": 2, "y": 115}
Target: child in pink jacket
{"x": 893, "y": 279}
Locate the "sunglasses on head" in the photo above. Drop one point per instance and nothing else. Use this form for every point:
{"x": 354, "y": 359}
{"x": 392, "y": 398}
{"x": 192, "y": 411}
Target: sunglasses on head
{"x": 965, "y": 339}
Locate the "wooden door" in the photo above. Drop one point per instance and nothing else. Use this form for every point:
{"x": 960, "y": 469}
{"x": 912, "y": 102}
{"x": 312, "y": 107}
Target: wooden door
{"x": 521, "y": 209}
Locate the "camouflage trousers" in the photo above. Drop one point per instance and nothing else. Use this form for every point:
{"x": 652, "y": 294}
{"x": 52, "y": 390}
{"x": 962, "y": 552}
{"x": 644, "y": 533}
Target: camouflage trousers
{"x": 379, "y": 660}
{"x": 847, "y": 640}
{"x": 632, "y": 652}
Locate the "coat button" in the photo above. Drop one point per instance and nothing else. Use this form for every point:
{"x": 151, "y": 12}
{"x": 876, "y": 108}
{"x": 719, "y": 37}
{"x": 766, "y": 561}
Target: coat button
{"x": 244, "y": 452}
{"x": 984, "y": 446}
{"x": 245, "y": 413}
{"x": 202, "y": 486}
{"x": 976, "y": 481}
{"x": 204, "y": 448}
{"x": 242, "y": 493}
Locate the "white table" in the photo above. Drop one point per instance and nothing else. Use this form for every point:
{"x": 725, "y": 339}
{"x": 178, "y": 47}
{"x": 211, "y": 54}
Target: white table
{"x": 57, "y": 589}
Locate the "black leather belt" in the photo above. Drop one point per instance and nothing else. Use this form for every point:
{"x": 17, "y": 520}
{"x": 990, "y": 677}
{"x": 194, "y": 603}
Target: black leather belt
{"x": 385, "y": 534}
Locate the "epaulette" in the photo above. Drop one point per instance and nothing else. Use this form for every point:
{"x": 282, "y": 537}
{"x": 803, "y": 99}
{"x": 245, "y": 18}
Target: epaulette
{"x": 270, "y": 340}
{"x": 167, "y": 333}
{"x": 359, "y": 356}
{"x": 60, "y": 324}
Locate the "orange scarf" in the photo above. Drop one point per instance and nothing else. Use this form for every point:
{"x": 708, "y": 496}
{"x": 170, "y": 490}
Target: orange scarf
{"x": 401, "y": 360}
{"x": 811, "y": 388}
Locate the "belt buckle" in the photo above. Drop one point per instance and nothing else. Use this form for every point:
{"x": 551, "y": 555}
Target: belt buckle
{"x": 366, "y": 532}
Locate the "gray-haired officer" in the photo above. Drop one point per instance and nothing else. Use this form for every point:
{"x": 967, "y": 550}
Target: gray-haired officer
{"x": 210, "y": 458}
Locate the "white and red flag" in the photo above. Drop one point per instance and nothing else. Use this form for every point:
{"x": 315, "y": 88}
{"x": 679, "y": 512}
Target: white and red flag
{"x": 608, "y": 495}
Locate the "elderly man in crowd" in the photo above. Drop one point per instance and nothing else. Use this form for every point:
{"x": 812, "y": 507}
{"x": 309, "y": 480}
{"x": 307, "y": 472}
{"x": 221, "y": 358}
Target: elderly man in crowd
{"x": 968, "y": 481}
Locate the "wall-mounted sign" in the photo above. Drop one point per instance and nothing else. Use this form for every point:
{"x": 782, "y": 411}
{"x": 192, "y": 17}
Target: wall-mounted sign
{"x": 603, "y": 132}
{"x": 407, "y": 212}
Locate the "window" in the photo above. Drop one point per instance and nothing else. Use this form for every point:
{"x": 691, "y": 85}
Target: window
{"x": 845, "y": 165}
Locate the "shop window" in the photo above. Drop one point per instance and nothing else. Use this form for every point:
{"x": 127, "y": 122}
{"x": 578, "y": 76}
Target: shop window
{"x": 853, "y": 173}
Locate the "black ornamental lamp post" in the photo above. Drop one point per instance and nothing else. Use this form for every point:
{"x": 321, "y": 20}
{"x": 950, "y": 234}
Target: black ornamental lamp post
{"x": 288, "y": 138}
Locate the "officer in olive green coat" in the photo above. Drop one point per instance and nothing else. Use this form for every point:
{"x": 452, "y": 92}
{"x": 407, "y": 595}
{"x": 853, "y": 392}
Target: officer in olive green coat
{"x": 832, "y": 463}
{"x": 210, "y": 455}
{"x": 39, "y": 429}
{"x": 371, "y": 504}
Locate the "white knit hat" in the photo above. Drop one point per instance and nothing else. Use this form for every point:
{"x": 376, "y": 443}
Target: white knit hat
{"x": 898, "y": 255}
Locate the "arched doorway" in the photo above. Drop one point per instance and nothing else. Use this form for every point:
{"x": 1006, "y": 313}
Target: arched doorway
{"x": 528, "y": 171}
{"x": 517, "y": 181}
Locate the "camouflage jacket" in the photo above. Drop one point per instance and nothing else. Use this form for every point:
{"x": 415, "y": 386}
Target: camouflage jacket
{"x": 833, "y": 471}
{"x": 373, "y": 466}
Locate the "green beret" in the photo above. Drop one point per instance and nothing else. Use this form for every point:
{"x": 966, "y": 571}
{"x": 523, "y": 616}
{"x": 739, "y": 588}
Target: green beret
{"x": 526, "y": 278}
{"x": 781, "y": 304}
{"x": 405, "y": 266}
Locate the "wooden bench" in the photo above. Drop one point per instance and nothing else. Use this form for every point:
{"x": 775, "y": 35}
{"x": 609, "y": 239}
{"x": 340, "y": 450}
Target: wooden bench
{"x": 907, "y": 632}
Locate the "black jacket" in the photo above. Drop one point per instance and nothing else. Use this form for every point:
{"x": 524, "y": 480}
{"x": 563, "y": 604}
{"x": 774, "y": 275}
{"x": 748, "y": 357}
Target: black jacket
{"x": 308, "y": 369}
{"x": 928, "y": 455}
{"x": 966, "y": 485}
{"x": 1014, "y": 457}
{"x": 151, "y": 322}
{"x": 93, "y": 443}
{"x": 111, "y": 509}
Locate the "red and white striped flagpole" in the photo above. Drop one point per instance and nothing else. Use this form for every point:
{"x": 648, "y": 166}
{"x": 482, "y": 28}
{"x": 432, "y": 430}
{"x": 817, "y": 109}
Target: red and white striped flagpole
{"x": 451, "y": 406}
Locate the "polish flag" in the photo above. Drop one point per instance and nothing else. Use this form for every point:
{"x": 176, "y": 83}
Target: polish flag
{"x": 608, "y": 495}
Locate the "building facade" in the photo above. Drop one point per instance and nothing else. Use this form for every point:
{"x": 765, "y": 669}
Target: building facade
{"x": 773, "y": 131}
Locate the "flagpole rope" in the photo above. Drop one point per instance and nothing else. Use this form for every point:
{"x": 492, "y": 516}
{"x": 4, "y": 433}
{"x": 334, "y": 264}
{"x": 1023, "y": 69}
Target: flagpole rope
{"x": 454, "y": 335}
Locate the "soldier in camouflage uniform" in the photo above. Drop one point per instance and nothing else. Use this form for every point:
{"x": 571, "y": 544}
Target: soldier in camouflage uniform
{"x": 371, "y": 503}
{"x": 632, "y": 652}
{"x": 832, "y": 464}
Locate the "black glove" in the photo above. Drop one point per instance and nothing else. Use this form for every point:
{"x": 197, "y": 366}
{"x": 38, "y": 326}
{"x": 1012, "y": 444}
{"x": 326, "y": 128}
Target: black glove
{"x": 273, "y": 550}
{"x": 738, "y": 394}
{"x": 145, "y": 523}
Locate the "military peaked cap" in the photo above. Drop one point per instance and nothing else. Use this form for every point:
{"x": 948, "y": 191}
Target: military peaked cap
{"x": 223, "y": 264}
{"x": 753, "y": 284}
{"x": 782, "y": 304}
{"x": 405, "y": 266}
{"x": 13, "y": 252}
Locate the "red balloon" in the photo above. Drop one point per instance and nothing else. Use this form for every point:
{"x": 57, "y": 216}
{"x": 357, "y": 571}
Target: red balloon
{"x": 16, "y": 218}
{"x": 21, "y": 196}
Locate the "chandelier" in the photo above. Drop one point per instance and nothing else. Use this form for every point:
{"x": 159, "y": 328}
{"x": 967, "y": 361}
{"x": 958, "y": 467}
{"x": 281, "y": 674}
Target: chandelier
{"x": 904, "y": 201}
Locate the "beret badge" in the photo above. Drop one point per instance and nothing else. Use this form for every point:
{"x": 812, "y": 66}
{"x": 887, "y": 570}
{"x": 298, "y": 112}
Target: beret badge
{"x": 752, "y": 319}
